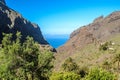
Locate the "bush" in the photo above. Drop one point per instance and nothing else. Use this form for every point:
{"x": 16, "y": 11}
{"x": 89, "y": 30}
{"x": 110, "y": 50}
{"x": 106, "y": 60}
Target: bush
{"x": 83, "y": 71}
{"x": 70, "y": 66}
{"x": 104, "y": 46}
{"x": 65, "y": 76}
{"x": 99, "y": 74}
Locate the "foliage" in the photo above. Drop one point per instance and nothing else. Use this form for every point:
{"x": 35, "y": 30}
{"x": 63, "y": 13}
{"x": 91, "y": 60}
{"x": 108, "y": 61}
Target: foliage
{"x": 99, "y": 74}
{"x": 83, "y": 71}
{"x": 106, "y": 64}
{"x": 104, "y": 46}
{"x": 23, "y": 61}
{"x": 117, "y": 59}
{"x": 65, "y": 76}
{"x": 70, "y": 66}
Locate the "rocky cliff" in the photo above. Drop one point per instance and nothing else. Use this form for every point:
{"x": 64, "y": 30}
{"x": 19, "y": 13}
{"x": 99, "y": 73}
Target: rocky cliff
{"x": 11, "y": 22}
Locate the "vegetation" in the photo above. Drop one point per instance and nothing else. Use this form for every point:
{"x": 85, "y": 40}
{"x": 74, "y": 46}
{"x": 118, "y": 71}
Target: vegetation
{"x": 106, "y": 65}
{"x": 99, "y": 74}
{"x": 117, "y": 59}
{"x": 70, "y": 66}
{"x": 104, "y": 46}
{"x": 65, "y": 76}
{"x": 23, "y": 61}
{"x": 107, "y": 60}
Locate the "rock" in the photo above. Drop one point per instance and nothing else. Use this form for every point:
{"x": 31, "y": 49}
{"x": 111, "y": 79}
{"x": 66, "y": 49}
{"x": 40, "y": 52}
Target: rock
{"x": 99, "y": 19}
{"x": 53, "y": 50}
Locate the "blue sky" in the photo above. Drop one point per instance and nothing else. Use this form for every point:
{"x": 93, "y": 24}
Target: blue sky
{"x": 61, "y": 17}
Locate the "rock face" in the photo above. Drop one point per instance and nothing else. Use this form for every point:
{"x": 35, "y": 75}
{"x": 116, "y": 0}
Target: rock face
{"x": 11, "y": 22}
{"x": 100, "y": 30}
{"x": 3, "y": 2}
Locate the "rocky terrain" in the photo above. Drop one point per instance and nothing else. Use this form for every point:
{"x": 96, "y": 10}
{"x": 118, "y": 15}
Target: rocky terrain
{"x": 85, "y": 41}
{"x": 11, "y": 22}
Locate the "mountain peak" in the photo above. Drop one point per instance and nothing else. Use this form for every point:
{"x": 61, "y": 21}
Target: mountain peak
{"x": 3, "y": 2}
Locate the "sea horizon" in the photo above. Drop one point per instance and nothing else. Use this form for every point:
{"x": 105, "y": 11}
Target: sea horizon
{"x": 57, "y": 40}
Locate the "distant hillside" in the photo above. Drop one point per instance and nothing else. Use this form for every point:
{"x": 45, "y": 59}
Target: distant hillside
{"x": 84, "y": 43}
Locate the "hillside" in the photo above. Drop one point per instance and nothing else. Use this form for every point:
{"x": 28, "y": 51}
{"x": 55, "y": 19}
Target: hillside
{"x": 84, "y": 43}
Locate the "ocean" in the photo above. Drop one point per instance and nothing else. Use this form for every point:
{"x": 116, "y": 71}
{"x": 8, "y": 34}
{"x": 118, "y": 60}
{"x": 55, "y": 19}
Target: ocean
{"x": 56, "y": 42}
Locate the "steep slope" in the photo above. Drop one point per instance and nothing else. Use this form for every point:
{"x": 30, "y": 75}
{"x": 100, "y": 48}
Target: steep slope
{"x": 11, "y": 22}
{"x": 84, "y": 42}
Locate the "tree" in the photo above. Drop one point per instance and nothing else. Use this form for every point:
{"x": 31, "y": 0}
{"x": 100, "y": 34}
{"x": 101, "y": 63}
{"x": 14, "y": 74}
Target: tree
{"x": 70, "y": 66}
{"x": 23, "y": 61}
{"x": 99, "y": 74}
{"x": 9, "y": 56}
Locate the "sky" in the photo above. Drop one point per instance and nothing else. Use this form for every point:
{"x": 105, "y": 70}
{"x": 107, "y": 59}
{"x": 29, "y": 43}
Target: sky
{"x": 61, "y": 17}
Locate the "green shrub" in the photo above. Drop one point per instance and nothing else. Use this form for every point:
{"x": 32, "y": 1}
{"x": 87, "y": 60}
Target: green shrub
{"x": 104, "y": 46}
{"x": 83, "y": 71}
{"x": 65, "y": 76}
{"x": 70, "y": 66}
{"x": 99, "y": 74}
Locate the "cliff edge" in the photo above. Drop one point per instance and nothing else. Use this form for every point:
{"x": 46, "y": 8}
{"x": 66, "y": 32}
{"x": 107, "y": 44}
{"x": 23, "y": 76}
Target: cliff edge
{"x": 11, "y": 22}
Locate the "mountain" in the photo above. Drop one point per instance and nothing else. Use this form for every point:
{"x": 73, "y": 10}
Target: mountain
{"x": 101, "y": 29}
{"x": 84, "y": 43}
{"x": 11, "y": 22}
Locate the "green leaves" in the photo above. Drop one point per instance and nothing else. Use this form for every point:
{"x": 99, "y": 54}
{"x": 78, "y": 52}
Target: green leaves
{"x": 65, "y": 76}
{"x": 23, "y": 61}
{"x": 70, "y": 66}
{"x": 99, "y": 74}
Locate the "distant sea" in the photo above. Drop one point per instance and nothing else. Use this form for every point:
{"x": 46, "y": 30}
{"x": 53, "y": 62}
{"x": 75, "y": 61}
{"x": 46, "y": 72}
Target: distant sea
{"x": 56, "y": 42}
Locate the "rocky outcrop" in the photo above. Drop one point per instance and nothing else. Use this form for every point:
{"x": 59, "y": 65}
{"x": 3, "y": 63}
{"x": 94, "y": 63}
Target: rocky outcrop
{"x": 100, "y": 30}
{"x": 99, "y": 19}
{"x": 11, "y": 22}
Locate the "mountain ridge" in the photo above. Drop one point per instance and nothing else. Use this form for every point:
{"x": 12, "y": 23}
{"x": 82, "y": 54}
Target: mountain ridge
{"x": 11, "y": 22}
